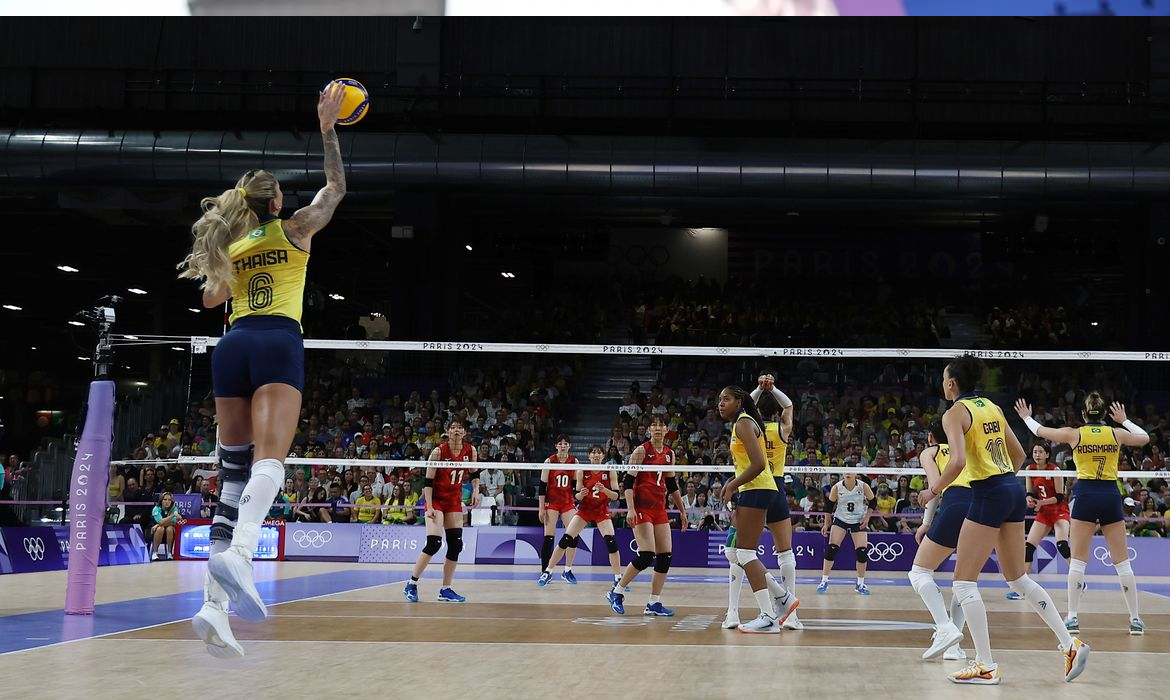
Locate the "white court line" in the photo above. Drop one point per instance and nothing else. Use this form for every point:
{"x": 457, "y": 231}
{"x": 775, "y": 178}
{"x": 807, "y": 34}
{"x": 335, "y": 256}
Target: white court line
{"x": 171, "y": 622}
{"x": 770, "y": 648}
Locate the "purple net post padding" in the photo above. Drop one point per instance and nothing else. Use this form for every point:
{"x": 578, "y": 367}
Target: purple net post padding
{"x": 87, "y": 499}
{"x": 188, "y": 504}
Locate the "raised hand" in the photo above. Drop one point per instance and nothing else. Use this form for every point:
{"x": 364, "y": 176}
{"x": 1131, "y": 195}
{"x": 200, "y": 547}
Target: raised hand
{"x": 1117, "y": 412}
{"x": 1023, "y": 409}
{"x": 329, "y": 105}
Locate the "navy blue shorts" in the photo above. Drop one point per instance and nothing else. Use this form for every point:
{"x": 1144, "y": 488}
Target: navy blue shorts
{"x": 997, "y": 500}
{"x": 779, "y": 510}
{"x": 757, "y": 498}
{"x": 848, "y": 527}
{"x": 948, "y": 519}
{"x": 1097, "y": 501}
{"x": 258, "y": 350}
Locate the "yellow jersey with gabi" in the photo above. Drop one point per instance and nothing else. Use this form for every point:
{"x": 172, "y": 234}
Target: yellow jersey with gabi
{"x": 269, "y": 274}
{"x": 985, "y": 440}
{"x": 775, "y": 449}
{"x": 943, "y": 457}
{"x": 1097, "y": 454}
{"x": 740, "y": 459}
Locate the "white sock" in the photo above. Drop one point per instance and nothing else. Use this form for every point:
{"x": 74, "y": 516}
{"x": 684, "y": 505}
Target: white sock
{"x": 212, "y": 591}
{"x": 958, "y": 618}
{"x": 1042, "y": 603}
{"x": 787, "y": 562}
{"x": 655, "y": 599}
{"x": 860, "y": 580}
{"x": 1128, "y": 587}
{"x": 922, "y": 580}
{"x": 267, "y": 476}
{"x": 568, "y": 568}
{"x": 776, "y": 589}
{"x": 735, "y": 576}
{"x": 824, "y": 578}
{"x": 1076, "y": 585}
{"x": 764, "y": 600}
{"x": 968, "y": 594}
{"x": 617, "y": 588}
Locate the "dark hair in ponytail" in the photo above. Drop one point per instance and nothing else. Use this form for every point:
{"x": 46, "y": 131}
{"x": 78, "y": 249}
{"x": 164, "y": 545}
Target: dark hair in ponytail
{"x": 1095, "y": 406}
{"x": 768, "y": 405}
{"x": 747, "y": 404}
{"x": 936, "y": 429}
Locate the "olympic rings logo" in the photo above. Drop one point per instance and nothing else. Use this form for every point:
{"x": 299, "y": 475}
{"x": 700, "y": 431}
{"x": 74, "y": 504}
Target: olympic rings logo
{"x": 542, "y": 348}
{"x": 1103, "y": 555}
{"x": 722, "y": 351}
{"x": 34, "y": 547}
{"x": 885, "y": 551}
{"x": 903, "y": 352}
{"x": 312, "y": 538}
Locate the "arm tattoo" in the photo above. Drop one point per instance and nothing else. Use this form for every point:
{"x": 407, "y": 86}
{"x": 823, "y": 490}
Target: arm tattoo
{"x": 317, "y": 215}
{"x": 334, "y": 172}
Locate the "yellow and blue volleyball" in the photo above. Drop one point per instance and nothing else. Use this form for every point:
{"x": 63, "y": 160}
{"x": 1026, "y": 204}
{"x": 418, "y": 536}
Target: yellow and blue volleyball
{"x": 355, "y": 104}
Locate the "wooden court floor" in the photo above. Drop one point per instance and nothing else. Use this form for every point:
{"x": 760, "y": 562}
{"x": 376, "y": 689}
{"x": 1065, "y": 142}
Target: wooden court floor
{"x": 513, "y": 639}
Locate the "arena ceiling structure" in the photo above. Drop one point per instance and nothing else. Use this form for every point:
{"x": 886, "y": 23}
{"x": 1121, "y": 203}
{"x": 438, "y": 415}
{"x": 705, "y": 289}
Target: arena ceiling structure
{"x": 526, "y": 138}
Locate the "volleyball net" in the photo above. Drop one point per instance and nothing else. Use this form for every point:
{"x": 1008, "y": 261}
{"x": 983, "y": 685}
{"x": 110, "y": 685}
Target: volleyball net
{"x": 863, "y": 410}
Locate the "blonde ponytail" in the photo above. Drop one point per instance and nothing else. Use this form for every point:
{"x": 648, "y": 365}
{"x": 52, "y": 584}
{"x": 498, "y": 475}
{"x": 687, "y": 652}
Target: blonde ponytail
{"x": 226, "y": 218}
{"x": 1095, "y": 406}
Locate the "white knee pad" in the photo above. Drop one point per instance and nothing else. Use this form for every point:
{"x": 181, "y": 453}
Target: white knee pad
{"x": 920, "y": 577}
{"x": 270, "y": 469}
{"x": 730, "y": 553}
{"x": 745, "y": 556}
{"x": 966, "y": 591}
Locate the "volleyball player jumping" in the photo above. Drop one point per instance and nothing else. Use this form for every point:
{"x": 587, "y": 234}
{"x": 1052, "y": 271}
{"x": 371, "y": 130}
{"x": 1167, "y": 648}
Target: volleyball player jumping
{"x": 244, "y": 252}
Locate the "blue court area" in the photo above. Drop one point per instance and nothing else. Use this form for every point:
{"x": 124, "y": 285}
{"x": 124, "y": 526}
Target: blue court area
{"x": 41, "y": 629}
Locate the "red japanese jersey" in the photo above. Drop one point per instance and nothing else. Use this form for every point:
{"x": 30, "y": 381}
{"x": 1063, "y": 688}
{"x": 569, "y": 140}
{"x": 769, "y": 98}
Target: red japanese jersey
{"x": 447, "y": 486}
{"x": 593, "y": 482}
{"x": 1043, "y": 486}
{"x": 650, "y": 487}
{"x": 561, "y": 482}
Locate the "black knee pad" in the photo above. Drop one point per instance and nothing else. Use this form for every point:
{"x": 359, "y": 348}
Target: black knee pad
{"x": 643, "y": 560}
{"x": 1062, "y": 547}
{"x": 662, "y": 562}
{"x": 831, "y": 552}
{"x": 454, "y": 543}
{"x": 566, "y": 542}
{"x": 434, "y": 542}
{"x": 1029, "y": 552}
{"x": 861, "y": 555}
{"x": 576, "y": 541}
{"x": 610, "y": 544}
{"x": 236, "y": 459}
{"x": 222, "y": 532}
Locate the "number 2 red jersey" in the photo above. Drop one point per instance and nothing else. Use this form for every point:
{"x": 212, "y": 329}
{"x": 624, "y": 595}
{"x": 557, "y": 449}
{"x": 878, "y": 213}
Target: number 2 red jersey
{"x": 447, "y": 486}
{"x": 595, "y": 505}
{"x": 559, "y": 492}
{"x": 650, "y": 487}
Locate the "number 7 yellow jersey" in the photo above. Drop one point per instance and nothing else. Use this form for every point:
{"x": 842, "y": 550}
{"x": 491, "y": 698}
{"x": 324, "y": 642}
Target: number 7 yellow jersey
{"x": 270, "y": 273}
{"x": 1097, "y": 453}
{"x": 985, "y": 440}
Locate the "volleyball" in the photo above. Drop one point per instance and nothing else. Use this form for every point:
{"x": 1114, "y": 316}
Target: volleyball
{"x": 356, "y": 102}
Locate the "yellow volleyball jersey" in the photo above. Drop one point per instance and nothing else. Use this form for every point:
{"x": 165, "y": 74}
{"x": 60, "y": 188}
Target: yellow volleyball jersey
{"x": 740, "y": 458}
{"x": 1096, "y": 455}
{"x": 987, "y": 453}
{"x": 270, "y": 274}
{"x": 775, "y": 449}
{"x": 942, "y": 458}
